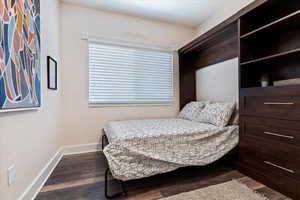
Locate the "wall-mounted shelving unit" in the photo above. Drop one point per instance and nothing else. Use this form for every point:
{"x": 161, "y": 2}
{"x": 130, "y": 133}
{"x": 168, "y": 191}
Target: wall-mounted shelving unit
{"x": 269, "y": 47}
{"x": 270, "y": 43}
{"x": 217, "y": 45}
{"x": 266, "y": 37}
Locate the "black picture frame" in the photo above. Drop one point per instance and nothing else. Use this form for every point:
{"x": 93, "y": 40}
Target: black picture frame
{"x": 52, "y": 73}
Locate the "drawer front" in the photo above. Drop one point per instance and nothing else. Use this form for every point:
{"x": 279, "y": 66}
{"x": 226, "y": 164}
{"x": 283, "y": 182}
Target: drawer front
{"x": 280, "y": 107}
{"x": 284, "y": 184}
{"x": 276, "y": 157}
{"x": 286, "y": 132}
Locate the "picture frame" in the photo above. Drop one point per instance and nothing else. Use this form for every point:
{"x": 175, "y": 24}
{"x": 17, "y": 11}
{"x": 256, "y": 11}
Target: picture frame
{"x": 52, "y": 73}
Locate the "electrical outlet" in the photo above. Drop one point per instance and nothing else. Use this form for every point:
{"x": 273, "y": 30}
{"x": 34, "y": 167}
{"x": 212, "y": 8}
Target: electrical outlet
{"x": 11, "y": 175}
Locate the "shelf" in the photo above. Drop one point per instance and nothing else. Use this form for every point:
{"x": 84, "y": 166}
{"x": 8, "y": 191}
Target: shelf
{"x": 289, "y": 90}
{"x": 275, "y": 67}
{"x": 271, "y": 56}
{"x": 292, "y": 19}
{"x": 271, "y": 87}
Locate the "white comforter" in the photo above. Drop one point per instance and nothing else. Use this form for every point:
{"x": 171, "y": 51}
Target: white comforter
{"x": 142, "y": 148}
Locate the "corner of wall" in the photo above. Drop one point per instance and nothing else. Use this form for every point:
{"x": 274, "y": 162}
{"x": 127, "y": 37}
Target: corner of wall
{"x": 226, "y": 10}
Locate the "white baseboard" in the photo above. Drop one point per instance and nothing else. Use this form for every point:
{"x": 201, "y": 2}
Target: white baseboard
{"x": 37, "y": 184}
{"x": 35, "y": 187}
{"x": 81, "y": 148}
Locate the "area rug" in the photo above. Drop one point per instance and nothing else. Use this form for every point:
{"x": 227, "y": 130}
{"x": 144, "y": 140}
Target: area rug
{"x": 232, "y": 190}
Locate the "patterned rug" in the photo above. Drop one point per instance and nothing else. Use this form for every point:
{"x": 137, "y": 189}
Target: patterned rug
{"x": 232, "y": 190}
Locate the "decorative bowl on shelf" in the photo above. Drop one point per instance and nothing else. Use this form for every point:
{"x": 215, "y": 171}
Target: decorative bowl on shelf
{"x": 264, "y": 83}
{"x": 264, "y": 80}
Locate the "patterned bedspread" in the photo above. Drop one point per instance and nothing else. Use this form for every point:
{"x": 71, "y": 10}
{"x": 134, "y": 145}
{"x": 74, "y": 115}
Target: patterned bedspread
{"x": 142, "y": 148}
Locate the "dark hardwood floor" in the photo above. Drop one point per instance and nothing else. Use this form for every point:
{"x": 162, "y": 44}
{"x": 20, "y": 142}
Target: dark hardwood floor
{"x": 80, "y": 177}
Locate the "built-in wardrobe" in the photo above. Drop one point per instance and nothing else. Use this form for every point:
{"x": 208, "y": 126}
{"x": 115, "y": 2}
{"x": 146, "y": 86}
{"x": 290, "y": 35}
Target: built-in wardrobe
{"x": 266, "y": 37}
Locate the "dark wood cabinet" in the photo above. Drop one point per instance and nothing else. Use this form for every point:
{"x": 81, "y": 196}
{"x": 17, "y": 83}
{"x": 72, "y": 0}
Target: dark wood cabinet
{"x": 269, "y": 148}
{"x": 269, "y": 44}
{"x": 273, "y": 130}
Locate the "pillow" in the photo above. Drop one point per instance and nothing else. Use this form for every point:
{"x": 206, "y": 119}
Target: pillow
{"x": 191, "y": 110}
{"x": 217, "y": 114}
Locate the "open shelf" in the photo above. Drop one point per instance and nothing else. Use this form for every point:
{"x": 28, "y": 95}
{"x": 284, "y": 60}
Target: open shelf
{"x": 274, "y": 40}
{"x": 271, "y": 56}
{"x": 282, "y": 23}
{"x": 280, "y": 67}
{"x": 271, "y": 87}
{"x": 267, "y": 13}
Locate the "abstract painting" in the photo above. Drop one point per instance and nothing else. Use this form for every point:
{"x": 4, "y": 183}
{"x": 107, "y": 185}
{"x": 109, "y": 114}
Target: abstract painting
{"x": 20, "y": 54}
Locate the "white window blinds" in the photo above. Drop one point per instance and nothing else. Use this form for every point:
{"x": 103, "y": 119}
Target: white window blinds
{"x": 125, "y": 75}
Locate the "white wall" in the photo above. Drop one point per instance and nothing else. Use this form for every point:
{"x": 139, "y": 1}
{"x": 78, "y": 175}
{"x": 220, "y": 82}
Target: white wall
{"x": 83, "y": 124}
{"x": 218, "y": 82}
{"x": 29, "y": 139}
{"x": 226, "y": 10}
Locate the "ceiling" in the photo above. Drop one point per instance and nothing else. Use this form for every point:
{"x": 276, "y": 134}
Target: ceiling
{"x": 185, "y": 12}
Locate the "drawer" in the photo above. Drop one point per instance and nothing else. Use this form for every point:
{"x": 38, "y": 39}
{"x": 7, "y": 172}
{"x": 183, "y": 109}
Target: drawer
{"x": 274, "y": 156}
{"x": 284, "y": 131}
{"x": 279, "y": 182}
{"x": 280, "y": 107}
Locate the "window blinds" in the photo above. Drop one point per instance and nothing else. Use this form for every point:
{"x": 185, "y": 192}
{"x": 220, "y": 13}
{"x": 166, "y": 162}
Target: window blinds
{"x": 125, "y": 75}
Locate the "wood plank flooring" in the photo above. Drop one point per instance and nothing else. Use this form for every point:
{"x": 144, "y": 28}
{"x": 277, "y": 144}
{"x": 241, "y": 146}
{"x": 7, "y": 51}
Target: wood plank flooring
{"x": 81, "y": 177}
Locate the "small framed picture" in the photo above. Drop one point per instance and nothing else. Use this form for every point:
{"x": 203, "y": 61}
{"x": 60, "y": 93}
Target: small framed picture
{"x": 52, "y": 73}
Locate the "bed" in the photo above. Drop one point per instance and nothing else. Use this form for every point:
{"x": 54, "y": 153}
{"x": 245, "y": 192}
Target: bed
{"x": 143, "y": 148}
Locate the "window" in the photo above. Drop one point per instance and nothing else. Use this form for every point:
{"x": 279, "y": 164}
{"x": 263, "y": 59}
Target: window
{"x": 125, "y": 75}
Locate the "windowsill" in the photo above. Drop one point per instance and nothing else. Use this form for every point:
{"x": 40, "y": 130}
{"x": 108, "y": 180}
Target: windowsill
{"x": 100, "y": 105}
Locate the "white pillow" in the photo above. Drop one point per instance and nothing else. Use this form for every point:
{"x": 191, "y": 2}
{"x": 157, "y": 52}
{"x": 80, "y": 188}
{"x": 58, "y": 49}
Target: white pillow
{"x": 217, "y": 114}
{"x": 191, "y": 110}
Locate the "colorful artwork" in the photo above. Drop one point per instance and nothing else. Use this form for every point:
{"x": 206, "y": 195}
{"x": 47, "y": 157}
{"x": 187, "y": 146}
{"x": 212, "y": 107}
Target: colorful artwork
{"x": 20, "y": 54}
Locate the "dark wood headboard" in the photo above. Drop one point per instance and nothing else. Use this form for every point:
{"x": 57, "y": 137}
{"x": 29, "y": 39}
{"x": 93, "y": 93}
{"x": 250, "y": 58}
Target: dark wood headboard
{"x": 217, "y": 45}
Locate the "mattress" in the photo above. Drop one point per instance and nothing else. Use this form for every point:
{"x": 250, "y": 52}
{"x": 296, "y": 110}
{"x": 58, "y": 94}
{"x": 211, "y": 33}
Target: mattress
{"x": 143, "y": 148}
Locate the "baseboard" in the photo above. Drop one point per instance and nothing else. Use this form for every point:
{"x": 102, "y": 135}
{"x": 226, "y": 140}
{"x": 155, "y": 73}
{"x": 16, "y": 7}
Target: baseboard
{"x": 37, "y": 184}
{"x": 81, "y": 148}
{"x": 34, "y": 188}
